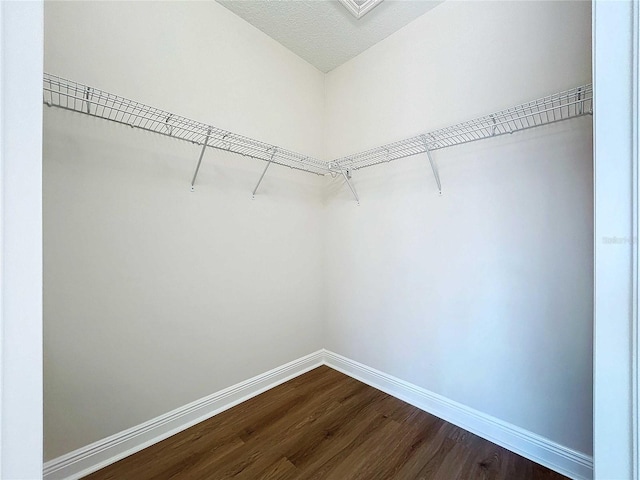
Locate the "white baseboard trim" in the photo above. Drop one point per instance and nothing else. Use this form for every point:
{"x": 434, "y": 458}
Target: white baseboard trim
{"x": 85, "y": 460}
{"x": 573, "y": 464}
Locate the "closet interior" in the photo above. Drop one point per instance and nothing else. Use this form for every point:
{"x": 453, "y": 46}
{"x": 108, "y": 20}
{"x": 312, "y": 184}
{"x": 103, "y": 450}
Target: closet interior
{"x": 182, "y": 279}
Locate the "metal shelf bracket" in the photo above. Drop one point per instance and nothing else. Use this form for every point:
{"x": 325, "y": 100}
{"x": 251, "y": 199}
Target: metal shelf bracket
{"x": 434, "y": 167}
{"x": 87, "y": 96}
{"x": 204, "y": 146}
{"x": 273, "y": 154}
{"x": 347, "y": 176}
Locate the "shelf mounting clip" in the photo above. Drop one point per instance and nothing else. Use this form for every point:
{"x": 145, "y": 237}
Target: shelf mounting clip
{"x": 434, "y": 168}
{"x": 273, "y": 154}
{"x": 204, "y": 146}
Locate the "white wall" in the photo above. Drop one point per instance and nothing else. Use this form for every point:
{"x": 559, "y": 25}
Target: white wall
{"x": 615, "y": 307}
{"x": 483, "y": 295}
{"x": 20, "y": 240}
{"x": 156, "y": 296}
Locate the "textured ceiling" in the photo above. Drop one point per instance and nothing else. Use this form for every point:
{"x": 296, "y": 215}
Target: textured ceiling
{"x": 323, "y": 32}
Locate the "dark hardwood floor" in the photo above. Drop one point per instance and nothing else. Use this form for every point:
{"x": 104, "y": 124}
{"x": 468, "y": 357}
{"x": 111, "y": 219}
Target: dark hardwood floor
{"x": 324, "y": 425}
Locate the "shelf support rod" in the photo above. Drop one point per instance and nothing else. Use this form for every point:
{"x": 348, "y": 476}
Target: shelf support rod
{"x": 434, "y": 169}
{"x": 253, "y": 195}
{"x": 204, "y": 146}
{"x": 87, "y": 97}
{"x": 353, "y": 190}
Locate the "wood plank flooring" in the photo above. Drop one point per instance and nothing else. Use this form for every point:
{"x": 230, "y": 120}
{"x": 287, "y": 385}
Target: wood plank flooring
{"x": 324, "y": 425}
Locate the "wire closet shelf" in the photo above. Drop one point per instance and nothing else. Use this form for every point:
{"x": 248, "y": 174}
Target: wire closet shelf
{"x": 70, "y": 95}
{"x": 571, "y": 103}
{"x": 91, "y": 101}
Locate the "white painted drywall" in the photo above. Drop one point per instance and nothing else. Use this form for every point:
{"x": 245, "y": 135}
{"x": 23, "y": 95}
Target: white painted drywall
{"x": 20, "y": 240}
{"x": 483, "y": 295}
{"x": 156, "y": 296}
{"x": 614, "y": 319}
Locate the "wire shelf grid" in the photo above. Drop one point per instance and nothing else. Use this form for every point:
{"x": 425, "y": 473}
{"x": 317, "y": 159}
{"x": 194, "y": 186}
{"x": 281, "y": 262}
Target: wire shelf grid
{"x": 82, "y": 98}
{"x": 78, "y": 97}
{"x": 550, "y": 109}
